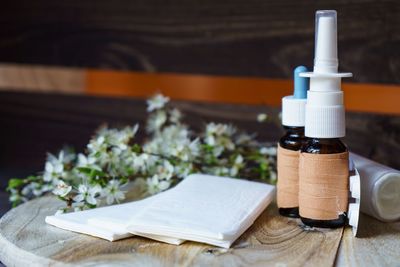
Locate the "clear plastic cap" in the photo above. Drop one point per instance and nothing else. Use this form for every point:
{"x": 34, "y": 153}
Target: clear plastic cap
{"x": 325, "y": 58}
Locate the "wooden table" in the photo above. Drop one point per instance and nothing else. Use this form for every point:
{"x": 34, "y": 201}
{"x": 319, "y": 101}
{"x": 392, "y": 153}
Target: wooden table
{"x": 25, "y": 240}
{"x": 44, "y": 122}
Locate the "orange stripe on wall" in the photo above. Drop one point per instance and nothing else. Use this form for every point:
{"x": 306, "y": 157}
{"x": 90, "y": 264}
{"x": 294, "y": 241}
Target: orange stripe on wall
{"x": 358, "y": 97}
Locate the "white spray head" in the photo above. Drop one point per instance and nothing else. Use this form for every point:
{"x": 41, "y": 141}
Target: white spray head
{"x": 325, "y": 76}
{"x": 325, "y": 59}
{"x": 325, "y": 116}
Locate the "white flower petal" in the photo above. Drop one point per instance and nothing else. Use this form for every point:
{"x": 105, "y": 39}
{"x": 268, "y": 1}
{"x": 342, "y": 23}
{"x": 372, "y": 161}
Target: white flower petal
{"x": 79, "y": 198}
{"x": 91, "y": 200}
{"x": 58, "y": 168}
{"x": 82, "y": 188}
{"x": 48, "y": 167}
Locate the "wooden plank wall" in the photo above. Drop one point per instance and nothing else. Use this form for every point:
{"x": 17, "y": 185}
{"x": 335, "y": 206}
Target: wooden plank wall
{"x": 376, "y": 98}
{"x": 246, "y": 38}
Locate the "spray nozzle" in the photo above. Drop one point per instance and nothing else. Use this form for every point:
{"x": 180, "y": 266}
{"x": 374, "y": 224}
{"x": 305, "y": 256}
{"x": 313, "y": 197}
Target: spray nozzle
{"x": 325, "y": 59}
{"x": 324, "y": 109}
{"x": 326, "y": 56}
{"x": 300, "y": 83}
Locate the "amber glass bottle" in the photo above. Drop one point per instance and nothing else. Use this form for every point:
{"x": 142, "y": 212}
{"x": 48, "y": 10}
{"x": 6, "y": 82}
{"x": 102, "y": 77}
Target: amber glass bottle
{"x": 324, "y": 126}
{"x": 324, "y": 146}
{"x": 292, "y": 140}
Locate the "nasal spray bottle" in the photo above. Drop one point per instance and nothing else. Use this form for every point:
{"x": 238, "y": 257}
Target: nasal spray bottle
{"x": 324, "y": 171}
{"x": 293, "y": 110}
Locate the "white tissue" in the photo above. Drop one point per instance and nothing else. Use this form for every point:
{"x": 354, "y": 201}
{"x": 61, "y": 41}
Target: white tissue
{"x": 107, "y": 222}
{"x": 204, "y": 208}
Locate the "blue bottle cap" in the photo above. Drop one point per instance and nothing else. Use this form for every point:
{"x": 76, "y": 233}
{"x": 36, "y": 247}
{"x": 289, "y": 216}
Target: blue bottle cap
{"x": 301, "y": 84}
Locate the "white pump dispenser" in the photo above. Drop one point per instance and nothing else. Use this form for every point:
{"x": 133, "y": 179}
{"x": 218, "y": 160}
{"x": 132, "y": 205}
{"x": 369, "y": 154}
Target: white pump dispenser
{"x": 325, "y": 117}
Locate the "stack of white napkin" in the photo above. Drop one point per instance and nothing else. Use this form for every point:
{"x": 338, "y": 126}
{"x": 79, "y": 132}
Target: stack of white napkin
{"x": 203, "y": 208}
{"x": 108, "y": 222}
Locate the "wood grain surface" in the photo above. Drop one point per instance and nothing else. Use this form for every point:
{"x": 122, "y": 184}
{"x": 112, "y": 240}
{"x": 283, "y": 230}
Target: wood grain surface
{"x": 235, "y": 37}
{"x": 25, "y": 240}
{"x": 378, "y": 245}
{"x": 359, "y": 97}
{"x": 42, "y": 78}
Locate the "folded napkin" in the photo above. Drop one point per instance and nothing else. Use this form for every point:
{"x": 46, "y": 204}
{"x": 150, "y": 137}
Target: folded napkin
{"x": 111, "y": 223}
{"x": 204, "y": 208}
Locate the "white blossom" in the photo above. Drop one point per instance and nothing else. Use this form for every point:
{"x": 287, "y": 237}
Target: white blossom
{"x": 220, "y": 171}
{"x": 88, "y": 162}
{"x": 113, "y": 193}
{"x": 64, "y": 157}
{"x": 15, "y": 197}
{"x": 237, "y": 165}
{"x": 35, "y": 188}
{"x": 171, "y": 152}
{"x": 183, "y": 170}
{"x": 184, "y": 149}
{"x": 120, "y": 138}
{"x": 156, "y": 121}
{"x": 156, "y": 185}
{"x": 87, "y": 194}
{"x": 262, "y": 117}
{"x": 54, "y": 166}
{"x": 271, "y": 151}
{"x": 97, "y": 144}
{"x": 62, "y": 189}
{"x": 165, "y": 170}
{"x": 175, "y": 116}
{"x": 219, "y": 136}
{"x": 156, "y": 102}
{"x": 220, "y": 129}
{"x": 243, "y": 138}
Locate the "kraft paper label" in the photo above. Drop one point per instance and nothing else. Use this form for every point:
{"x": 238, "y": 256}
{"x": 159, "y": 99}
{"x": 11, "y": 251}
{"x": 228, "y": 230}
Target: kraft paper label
{"x": 323, "y": 185}
{"x": 288, "y": 178}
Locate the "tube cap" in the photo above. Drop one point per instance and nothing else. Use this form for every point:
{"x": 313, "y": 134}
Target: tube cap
{"x": 294, "y": 106}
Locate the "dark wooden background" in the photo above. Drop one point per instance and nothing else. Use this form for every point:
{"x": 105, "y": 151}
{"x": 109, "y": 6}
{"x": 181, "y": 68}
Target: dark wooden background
{"x": 236, "y": 37}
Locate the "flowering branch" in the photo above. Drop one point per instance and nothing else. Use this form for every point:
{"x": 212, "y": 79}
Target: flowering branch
{"x": 173, "y": 151}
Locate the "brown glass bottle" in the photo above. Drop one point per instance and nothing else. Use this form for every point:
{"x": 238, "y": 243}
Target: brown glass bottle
{"x": 292, "y": 140}
{"x": 324, "y": 146}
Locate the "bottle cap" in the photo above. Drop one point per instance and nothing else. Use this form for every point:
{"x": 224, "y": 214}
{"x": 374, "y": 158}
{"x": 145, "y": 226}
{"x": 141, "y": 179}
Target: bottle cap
{"x": 293, "y": 106}
{"x": 325, "y": 117}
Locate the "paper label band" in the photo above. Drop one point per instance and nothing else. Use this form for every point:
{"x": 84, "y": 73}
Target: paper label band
{"x": 288, "y": 178}
{"x": 323, "y": 185}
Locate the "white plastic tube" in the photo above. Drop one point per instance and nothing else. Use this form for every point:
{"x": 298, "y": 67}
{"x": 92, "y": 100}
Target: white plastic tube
{"x": 380, "y": 189}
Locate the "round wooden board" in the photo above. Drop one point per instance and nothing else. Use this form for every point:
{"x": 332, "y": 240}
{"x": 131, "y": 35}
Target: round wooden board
{"x": 26, "y": 240}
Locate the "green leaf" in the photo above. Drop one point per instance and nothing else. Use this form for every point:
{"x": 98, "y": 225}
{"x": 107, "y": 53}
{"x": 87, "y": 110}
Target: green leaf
{"x": 84, "y": 170}
{"x": 123, "y": 179}
{"x": 15, "y": 183}
{"x": 136, "y": 148}
{"x": 90, "y": 172}
{"x": 33, "y": 178}
{"x": 16, "y": 203}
